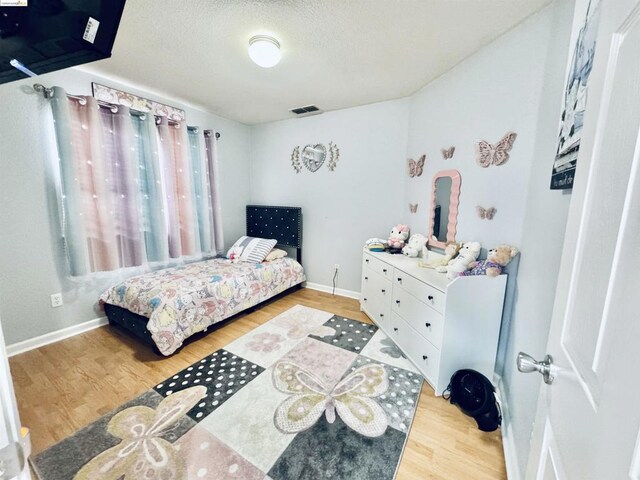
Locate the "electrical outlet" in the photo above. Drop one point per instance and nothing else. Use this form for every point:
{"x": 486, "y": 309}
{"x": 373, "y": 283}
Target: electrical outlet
{"x": 56, "y": 300}
{"x": 336, "y": 266}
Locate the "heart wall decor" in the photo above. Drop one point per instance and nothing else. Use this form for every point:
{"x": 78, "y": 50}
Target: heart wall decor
{"x": 314, "y": 156}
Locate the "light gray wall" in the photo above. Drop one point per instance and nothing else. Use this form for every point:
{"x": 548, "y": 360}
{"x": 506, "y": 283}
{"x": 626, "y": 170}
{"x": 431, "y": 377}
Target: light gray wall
{"x": 495, "y": 91}
{"x": 514, "y": 84}
{"x": 31, "y": 263}
{"x": 361, "y": 199}
{"x": 544, "y": 220}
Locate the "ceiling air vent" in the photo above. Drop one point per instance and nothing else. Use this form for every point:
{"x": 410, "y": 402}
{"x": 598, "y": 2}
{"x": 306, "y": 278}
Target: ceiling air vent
{"x": 306, "y": 111}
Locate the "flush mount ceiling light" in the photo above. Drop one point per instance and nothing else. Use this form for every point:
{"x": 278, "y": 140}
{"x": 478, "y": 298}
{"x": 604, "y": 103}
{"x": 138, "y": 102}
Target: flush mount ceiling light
{"x": 264, "y": 50}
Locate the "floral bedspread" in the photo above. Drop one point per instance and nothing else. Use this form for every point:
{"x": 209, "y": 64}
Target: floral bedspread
{"x": 184, "y": 300}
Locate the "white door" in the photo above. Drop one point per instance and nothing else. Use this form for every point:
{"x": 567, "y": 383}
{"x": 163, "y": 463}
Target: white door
{"x": 588, "y": 419}
{"x": 11, "y": 456}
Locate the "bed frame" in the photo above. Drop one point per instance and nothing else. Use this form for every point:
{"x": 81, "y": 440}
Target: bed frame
{"x": 281, "y": 223}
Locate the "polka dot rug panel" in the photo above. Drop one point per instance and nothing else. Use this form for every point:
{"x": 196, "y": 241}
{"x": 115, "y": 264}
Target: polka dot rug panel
{"x": 307, "y": 395}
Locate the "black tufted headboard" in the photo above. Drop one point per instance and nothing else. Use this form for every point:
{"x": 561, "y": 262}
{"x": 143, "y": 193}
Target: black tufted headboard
{"x": 281, "y": 223}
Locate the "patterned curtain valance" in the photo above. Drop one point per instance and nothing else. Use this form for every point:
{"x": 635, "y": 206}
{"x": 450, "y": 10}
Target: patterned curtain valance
{"x": 112, "y": 95}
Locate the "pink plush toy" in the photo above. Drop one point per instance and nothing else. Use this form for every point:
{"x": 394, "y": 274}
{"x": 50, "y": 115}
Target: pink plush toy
{"x": 398, "y": 237}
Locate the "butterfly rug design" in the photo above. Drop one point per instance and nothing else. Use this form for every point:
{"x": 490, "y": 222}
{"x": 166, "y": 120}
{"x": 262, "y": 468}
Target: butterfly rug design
{"x": 308, "y": 394}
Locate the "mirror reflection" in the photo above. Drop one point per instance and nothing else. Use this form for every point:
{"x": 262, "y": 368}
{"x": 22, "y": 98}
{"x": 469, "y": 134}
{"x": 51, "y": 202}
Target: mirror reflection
{"x": 443, "y": 199}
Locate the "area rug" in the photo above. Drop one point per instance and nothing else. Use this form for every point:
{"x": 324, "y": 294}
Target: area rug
{"x": 307, "y": 395}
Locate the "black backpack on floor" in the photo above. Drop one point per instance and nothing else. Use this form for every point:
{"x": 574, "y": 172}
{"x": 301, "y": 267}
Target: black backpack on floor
{"x": 474, "y": 394}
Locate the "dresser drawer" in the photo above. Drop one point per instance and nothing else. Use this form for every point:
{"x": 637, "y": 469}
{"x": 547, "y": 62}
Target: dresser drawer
{"x": 375, "y": 298}
{"x": 425, "y": 320}
{"x": 376, "y": 286}
{"x": 377, "y": 310}
{"x": 425, "y": 356}
{"x": 429, "y": 295}
{"x": 418, "y": 349}
{"x": 378, "y": 266}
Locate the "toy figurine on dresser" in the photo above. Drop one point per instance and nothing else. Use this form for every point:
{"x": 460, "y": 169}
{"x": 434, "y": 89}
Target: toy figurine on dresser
{"x": 398, "y": 238}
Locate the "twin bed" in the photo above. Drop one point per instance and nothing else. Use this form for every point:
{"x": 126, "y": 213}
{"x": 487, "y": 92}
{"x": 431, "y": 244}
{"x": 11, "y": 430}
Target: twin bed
{"x": 165, "y": 307}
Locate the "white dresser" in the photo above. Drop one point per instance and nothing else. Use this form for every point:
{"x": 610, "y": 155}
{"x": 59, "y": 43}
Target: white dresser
{"x": 440, "y": 326}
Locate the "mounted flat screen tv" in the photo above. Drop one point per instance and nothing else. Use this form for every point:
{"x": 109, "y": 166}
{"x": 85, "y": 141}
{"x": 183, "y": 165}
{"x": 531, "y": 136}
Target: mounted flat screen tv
{"x": 42, "y": 36}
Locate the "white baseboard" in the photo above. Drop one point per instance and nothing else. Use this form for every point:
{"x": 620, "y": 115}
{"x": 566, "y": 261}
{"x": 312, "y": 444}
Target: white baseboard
{"x": 339, "y": 291}
{"x": 508, "y": 442}
{"x": 55, "y": 336}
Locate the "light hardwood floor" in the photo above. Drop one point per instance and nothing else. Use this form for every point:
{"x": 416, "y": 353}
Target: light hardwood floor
{"x": 64, "y": 386}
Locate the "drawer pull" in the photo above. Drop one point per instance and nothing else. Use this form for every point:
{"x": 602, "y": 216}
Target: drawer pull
{"x": 366, "y": 260}
{"x": 427, "y": 324}
{"x": 399, "y": 279}
{"x": 384, "y": 270}
{"x": 430, "y": 297}
{"x": 395, "y": 329}
{"x": 424, "y": 357}
{"x": 382, "y": 315}
{"x": 366, "y": 278}
{"x": 397, "y": 302}
{"x": 364, "y": 299}
{"x": 384, "y": 291}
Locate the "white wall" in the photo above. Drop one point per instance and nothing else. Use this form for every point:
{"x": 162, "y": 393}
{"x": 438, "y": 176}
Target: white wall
{"x": 544, "y": 221}
{"x": 491, "y": 93}
{"x": 341, "y": 209}
{"x": 30, "y": 251}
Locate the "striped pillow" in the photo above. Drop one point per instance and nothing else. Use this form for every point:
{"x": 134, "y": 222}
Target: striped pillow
{"x": 251, "y": 249}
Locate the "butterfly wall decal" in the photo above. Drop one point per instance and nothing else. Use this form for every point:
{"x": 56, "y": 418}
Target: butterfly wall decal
{"x": 142, "y": 452}
{"x": 353, "y": 399}
{"x": 486, "y": 213}
{"x": 498, "y": 154}
{"x": 416, "y": 166}
{"x": 413, "y": 207}
{"x": 447, "y": 153}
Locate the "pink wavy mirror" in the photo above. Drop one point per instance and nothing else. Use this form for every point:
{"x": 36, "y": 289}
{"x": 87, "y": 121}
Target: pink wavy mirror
{"x": 443, "y": 220}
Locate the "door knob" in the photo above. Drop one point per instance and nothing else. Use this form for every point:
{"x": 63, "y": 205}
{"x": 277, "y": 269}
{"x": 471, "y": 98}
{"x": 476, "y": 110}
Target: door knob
{"x": 527, "y": 364}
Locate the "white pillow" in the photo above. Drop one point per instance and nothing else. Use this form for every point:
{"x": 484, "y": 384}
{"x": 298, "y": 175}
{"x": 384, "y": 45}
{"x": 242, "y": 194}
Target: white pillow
{"x": 250, "y": 249}
{"x": 275, "y": 254}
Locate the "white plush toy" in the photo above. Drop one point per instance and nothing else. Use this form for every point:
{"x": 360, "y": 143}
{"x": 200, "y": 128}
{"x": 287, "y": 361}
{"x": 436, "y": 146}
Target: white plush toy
{"x": 415, "y": 245}
{"x": 468, "y": 253}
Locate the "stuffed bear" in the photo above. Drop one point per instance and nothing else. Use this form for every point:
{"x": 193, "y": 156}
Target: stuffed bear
{"x": 414, "y": 247}
{"x": 497, "y": 259}
{"x": 469, "y": 252}
{"x": 398, "y": 237}
{"x": 450, "y": 252}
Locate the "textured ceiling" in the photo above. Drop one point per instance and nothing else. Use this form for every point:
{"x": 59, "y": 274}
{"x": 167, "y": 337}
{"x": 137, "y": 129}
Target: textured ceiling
{"x": 336, "y": 53}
